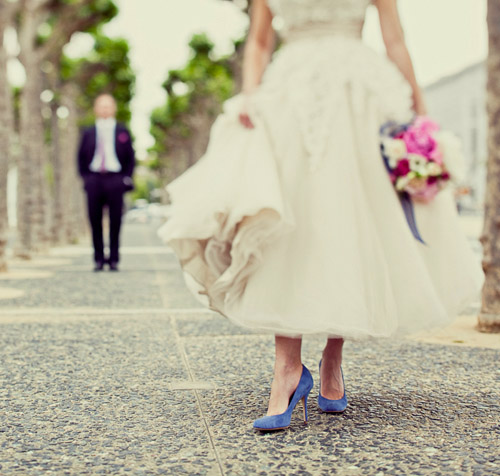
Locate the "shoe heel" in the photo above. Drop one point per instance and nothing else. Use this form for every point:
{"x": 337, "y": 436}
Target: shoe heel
{"x": 304, "y": 405}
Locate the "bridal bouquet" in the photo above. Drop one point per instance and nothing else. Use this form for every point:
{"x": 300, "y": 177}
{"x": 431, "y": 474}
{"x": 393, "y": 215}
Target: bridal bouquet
{"x": 421, "y": 159}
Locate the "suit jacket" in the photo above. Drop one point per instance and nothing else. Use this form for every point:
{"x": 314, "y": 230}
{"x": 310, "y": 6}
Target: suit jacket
{"x": 123, "y": 147}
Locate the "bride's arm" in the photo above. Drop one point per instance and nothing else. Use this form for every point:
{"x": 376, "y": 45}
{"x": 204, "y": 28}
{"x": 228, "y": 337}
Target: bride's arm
{"x": 393, "y": 36}
{"x": 258, "y": 50}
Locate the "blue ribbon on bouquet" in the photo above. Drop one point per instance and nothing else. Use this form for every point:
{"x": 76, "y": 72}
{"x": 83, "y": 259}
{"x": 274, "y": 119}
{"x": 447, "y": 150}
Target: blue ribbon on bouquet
{"x": 404, "y": 197}
{"x": 409, "y": 211}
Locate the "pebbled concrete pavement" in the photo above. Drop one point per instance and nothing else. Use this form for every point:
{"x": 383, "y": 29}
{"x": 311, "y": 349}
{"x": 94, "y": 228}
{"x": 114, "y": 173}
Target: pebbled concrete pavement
{"x": 124, "y": 373}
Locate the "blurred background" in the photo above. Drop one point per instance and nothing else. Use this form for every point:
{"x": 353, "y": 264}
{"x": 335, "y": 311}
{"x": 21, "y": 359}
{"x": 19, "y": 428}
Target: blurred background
{"x": 170, "y": 64}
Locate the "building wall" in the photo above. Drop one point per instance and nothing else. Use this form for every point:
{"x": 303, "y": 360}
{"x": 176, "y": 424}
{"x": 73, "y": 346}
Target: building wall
{"x": 458, "y": 104}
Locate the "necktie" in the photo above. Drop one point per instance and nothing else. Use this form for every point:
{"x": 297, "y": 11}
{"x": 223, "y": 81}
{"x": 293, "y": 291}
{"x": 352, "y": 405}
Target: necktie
{"x": 102, "y": 153}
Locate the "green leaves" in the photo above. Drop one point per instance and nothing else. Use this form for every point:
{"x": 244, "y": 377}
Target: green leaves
{"x": 106, "y": 69}
{"x": 195, "y": 95}
{"x": 105, "y": 10}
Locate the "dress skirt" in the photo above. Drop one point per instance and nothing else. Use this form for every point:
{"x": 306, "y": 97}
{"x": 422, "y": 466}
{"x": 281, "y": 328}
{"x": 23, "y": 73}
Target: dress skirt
{"x": 294, "y": 227}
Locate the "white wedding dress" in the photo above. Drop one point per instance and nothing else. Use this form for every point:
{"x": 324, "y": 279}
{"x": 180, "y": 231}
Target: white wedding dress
{"x": 293, "y": 227}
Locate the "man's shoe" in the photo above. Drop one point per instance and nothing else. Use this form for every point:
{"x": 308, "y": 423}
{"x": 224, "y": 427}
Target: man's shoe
{"x": 99, "y": 266}
{"x": 113, "y": 266}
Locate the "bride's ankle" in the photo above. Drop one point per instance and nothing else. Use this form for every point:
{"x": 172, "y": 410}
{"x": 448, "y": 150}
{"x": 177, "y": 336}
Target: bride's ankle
{"x": 287, "y": 368}
{"x": 331, "y": 362}
{"x": 285, "y": 381}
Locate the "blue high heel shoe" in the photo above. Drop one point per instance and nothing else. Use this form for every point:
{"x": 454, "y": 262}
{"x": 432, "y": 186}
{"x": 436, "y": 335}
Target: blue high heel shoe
{"x": 332, "y": 406}
{"x": 282, "y": 421}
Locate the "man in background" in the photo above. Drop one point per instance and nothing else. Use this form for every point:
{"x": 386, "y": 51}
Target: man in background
{"x": 106, "y": 162}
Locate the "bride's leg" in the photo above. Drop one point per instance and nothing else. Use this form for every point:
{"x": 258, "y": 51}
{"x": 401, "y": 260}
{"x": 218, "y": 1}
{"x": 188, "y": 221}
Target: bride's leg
{"x": 287, "y": 372}
{"x": 331, "y": 377}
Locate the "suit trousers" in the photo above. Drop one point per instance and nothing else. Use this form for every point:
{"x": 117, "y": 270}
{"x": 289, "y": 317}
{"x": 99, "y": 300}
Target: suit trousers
{"x": 105, "y": 190}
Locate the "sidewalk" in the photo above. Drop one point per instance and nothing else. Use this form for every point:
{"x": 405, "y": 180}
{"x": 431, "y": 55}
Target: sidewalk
{"x": 124, "y": 373}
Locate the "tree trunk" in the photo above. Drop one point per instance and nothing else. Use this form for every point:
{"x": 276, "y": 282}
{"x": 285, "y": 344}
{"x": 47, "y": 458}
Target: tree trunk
{"x": 74, "y": 197}
{"x": 26, "y": 174}
{"x": 38, "y": 154}
{"x": 6, "y": 130}
{"x": 489, "y": 317}
{"x": 58, "y": 199}
{"x": 32, "y": 184}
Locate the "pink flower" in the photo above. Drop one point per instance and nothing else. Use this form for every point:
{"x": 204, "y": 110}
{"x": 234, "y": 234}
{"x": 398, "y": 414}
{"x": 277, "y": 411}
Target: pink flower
{"x": 402, "y": 168}
{"x": 436, "y": 155}
{"x": 425, "y": 124}
{"x": 419, "y": 141}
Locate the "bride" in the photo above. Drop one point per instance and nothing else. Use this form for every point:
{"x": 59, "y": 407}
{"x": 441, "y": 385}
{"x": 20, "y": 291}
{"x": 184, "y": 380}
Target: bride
{"x": 290, "y": 225}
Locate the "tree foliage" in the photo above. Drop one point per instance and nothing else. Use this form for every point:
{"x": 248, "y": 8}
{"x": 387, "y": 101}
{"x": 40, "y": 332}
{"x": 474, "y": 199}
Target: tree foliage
{"x": 55, "y": 21}
{"x": 106, "y": 69}
{"x": 195, "y": 94}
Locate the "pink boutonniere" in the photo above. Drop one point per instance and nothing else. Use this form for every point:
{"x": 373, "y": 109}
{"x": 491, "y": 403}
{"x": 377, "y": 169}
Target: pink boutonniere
{"x": 123, "y": 137}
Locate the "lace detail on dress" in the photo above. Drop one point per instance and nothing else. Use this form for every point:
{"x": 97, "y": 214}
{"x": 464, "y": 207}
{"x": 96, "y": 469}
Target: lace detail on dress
{"x": 324, "y": 62}
{"x": 343, "y": 15}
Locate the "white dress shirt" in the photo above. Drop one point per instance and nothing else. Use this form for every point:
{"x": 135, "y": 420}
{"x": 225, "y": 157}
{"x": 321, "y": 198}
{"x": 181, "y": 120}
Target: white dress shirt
{"x": 105, "y": 142}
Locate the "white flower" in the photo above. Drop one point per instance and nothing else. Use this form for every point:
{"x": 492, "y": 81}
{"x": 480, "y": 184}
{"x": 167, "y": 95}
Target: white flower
{"x": 393, "y": 163}
{"x": 418, "y": 164}
{"x": 434, "y": 169}
{"x": 453, "y": 157}
{"x": 394, "y": 150}
{"x": 402, "y": 182}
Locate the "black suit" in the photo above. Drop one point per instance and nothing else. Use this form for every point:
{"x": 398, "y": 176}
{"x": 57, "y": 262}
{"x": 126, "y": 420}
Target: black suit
{"x": 106, "y": 188}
